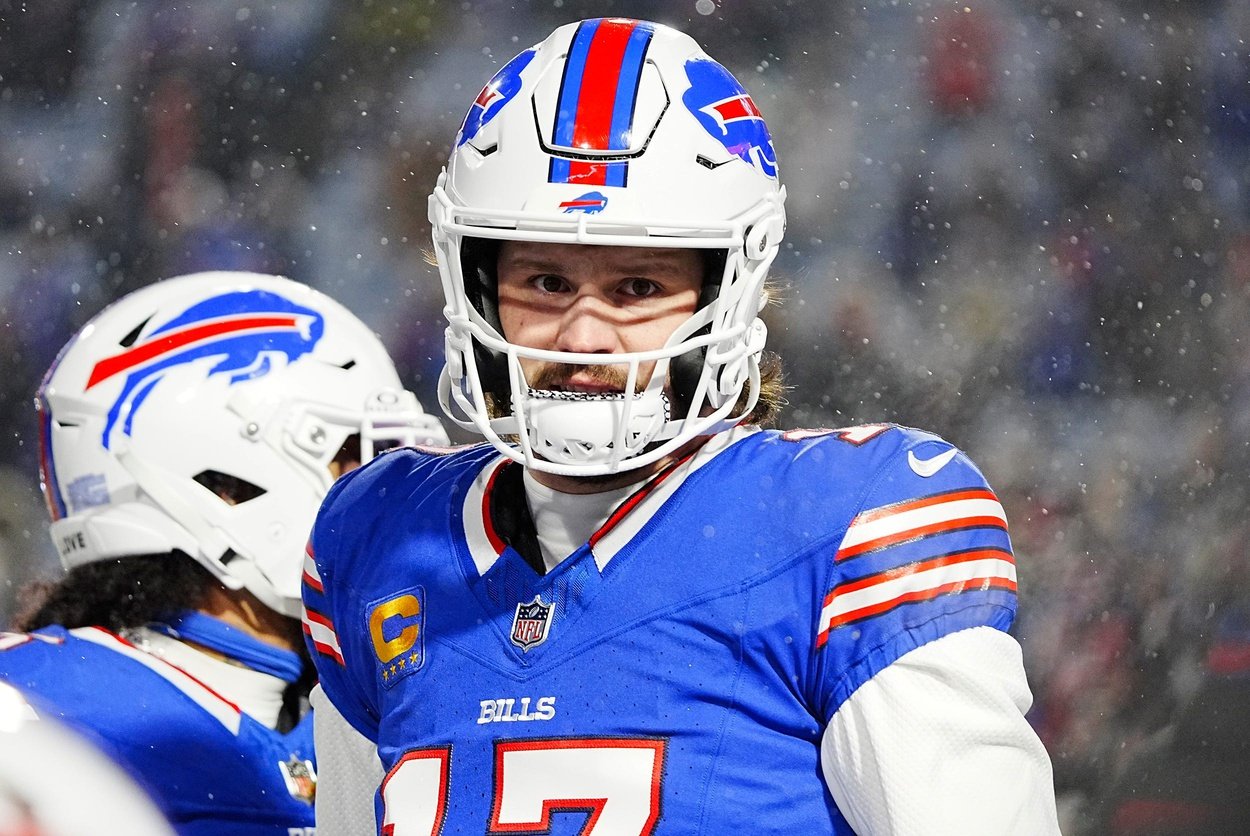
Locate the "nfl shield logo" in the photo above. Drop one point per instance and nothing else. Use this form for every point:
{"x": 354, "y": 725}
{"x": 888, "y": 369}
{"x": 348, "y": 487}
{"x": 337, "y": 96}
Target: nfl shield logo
{"x": 530, "y": 625}
{"x": 300, "y": 778}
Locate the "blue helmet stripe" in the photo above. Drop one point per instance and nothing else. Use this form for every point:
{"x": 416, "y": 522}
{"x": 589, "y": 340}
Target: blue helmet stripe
{"x": 571, "y": 84}
{"x": 559, "y": 170}
{"x": 616, "y": 174}
{"x": 627, "y": 87}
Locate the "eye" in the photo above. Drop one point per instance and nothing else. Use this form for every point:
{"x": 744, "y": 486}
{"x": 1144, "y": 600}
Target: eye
{"x": 548, "y": 283}
{"x": 641, "y": 288}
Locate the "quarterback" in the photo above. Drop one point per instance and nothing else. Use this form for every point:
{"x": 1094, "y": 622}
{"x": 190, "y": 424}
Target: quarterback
{"x": 188, "y": 433}
{"x": 634, "y": 610}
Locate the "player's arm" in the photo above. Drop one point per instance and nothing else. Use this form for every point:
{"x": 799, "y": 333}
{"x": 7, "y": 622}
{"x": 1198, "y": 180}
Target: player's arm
{"x": 344, "y": 721}
{"x": 936, "y": 744}
{"x": 924, "y": 691}
{"x": 348, "y": 773}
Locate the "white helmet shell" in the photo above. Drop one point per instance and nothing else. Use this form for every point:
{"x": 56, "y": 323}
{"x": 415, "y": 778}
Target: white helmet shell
{"x": 611, "y": 132}
{"x": 253, "y": 377}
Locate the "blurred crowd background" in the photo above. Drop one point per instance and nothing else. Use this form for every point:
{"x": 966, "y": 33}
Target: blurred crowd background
{"x": 1022, "y": 224}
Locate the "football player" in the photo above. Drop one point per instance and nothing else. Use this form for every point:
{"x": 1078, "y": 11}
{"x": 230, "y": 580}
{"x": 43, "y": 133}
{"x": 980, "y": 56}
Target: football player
{"x": 634, "y": 610}
{"x": 188, "y": 433}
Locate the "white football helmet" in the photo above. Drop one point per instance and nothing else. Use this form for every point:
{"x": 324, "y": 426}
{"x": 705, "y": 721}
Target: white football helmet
{"x": 609, "y": 132}
{"x": 255, "y": 378}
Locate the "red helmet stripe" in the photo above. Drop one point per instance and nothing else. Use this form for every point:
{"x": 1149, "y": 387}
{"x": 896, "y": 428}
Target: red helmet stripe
{"x": 597, "y": 99}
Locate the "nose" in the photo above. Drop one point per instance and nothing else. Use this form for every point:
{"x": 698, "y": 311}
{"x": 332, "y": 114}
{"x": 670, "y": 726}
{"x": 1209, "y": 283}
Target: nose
{"x": 587, "y": 327}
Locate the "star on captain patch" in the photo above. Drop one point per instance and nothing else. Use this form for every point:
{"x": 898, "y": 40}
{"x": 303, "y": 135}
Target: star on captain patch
{"x": 300, "y": 778}
{"x": 531, "y": 623}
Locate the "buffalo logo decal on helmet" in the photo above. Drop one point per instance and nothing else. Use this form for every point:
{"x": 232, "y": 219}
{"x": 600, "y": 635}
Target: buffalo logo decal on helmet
{"x": 498, "y": 92}
{"x": 727, "y": 112}
{"x": 590, "y": 203}
{"x": 244, "y": 329}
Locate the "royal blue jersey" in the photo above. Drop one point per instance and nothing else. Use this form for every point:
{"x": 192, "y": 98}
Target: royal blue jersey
{"x": 673, "y": 675}
{"x": 210, "y": 768}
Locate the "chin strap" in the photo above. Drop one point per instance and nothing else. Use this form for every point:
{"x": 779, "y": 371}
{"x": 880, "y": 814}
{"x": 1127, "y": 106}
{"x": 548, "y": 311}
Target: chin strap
{"x": 215, "y": 634}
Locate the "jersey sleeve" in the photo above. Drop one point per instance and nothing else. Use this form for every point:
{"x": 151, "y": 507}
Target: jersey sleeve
{"x": 937, "y": 743}
{"x": 328, "y": 601}
{"x": 348, "y": 773}
{"x": 926, "y": 554}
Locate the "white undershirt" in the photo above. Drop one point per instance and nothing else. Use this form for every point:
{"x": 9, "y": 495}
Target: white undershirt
{"x": 565, "y": 521}
{"x": 259, "y": 695}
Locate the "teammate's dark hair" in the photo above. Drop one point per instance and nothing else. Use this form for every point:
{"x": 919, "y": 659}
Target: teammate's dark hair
{"x": 134, "y": 591}
{"x": 116, "y": 594}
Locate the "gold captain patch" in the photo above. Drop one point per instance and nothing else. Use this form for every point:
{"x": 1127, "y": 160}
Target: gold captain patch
{"x": 397, "y": 629}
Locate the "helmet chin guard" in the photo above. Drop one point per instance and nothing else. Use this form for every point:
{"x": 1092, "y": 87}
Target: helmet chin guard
{"x": 574, "y": 428}
{"x": 207, "y": 379}
{"x": 685, "y": 161}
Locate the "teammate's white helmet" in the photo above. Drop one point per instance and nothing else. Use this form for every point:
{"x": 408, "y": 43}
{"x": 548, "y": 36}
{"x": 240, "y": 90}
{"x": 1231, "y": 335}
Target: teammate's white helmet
{"x": 251, "y": 377}
{"x": 615, "y": 132}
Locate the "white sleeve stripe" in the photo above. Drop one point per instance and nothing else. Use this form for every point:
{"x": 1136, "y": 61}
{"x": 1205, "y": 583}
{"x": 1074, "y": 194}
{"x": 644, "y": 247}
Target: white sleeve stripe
{"x": 891, "y": 590}
{"x": 321, "y": 631}
{"x": 311, "y": 576}
{"x": 224, "y": 711}
{"x": 909, "y": 520}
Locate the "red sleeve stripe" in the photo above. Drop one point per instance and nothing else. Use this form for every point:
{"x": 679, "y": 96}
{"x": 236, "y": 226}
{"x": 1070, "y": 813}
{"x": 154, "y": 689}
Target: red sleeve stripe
{"x": 924, "y": 502}
{"x": 1163, "y": 815}
{"x": 949, "y": 575}
{"x": 896, "y": 572}
{"x": 320, "y": 630}
{"x": 311, "y": 576}
{"x": 894, "y": 524}
{"x": 953, "y": 588}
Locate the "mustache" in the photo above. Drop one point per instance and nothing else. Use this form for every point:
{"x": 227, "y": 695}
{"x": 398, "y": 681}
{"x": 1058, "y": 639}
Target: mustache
{"x": 556, "y": 375}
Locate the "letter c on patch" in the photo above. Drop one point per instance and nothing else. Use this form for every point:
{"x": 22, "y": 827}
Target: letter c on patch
{"x": 404, "y": 607}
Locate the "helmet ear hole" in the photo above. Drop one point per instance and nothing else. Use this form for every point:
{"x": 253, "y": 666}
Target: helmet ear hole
{"x": 230, "y": 489}
{"x": 479, "y": 259}
{"x": 479, "y": 262}
{"x": 684, "y": 371}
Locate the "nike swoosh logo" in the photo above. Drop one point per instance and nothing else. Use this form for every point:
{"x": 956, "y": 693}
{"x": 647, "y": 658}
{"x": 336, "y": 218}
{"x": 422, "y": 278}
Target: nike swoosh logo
{"x": 928, "y": 467}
